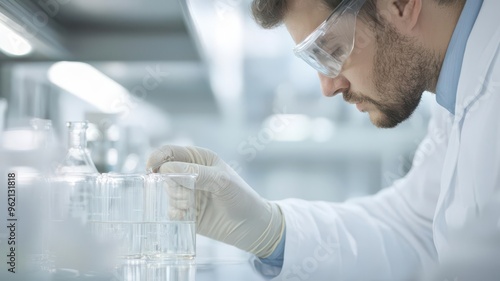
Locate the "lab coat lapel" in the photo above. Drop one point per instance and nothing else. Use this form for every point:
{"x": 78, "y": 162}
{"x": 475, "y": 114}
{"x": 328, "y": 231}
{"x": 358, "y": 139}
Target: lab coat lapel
{"x": 480, "y": 51}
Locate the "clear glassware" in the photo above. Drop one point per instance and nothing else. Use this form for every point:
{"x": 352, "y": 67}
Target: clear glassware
{"x": 170, "y": 271}
{"x": 42, "y": 130}
{"x": 138, "y": 216}
{"x": 170, "y": 217}
{"x": 74, "y": 179}
{"x": 77, "y": 160}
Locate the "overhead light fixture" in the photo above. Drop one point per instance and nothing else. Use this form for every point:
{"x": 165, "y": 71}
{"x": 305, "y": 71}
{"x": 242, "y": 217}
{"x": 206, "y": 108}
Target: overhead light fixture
{"x": 91, "y": 85}
{"x": 11, "y": 43}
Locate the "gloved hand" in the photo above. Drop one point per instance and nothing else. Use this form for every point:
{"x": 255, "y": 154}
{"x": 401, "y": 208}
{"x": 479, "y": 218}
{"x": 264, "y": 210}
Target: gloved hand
{"x": 229, "y": 210}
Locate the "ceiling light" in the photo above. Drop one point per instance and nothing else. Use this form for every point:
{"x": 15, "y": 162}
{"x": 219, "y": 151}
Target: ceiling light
{"x": 11, "y": 43}
{"x": 91, "y": 85}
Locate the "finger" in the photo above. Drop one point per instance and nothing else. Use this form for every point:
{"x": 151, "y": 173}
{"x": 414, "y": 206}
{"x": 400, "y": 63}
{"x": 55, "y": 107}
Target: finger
{"x": 180, "y": 197}
{"x": 178, "y": 168}
{"x": 188, "y": 154}
{"x": 181, "y": 204}
{"x": 160, "y": 156}
{"x": 211, "y": 179}
{"x": 178, "y": 192}
{"x": 176, "y": 214}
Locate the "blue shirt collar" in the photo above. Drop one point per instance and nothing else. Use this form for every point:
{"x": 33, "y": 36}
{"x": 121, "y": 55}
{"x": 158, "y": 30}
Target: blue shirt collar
{"x": 447, "y": 85}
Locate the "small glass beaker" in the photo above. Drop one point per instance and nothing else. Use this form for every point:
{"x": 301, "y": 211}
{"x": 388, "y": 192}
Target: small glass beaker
{"x": 146, "y": 217}
{"x": 116, "y": 213}
{"x": 170, "y": 217}
{"x": 168, "y": 271}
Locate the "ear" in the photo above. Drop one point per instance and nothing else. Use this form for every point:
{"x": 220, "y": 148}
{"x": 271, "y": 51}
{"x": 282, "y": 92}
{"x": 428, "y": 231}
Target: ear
{"x": 405, "y": 13}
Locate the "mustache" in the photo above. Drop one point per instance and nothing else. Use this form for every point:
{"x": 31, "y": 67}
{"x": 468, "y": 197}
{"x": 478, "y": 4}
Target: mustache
{"x": 356, "y": 97}
{"x": 352, "y": 97}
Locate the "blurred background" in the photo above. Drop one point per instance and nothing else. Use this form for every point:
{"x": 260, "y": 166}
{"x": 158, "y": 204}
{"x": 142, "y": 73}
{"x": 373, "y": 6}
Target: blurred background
{"x": 195, "y": 72}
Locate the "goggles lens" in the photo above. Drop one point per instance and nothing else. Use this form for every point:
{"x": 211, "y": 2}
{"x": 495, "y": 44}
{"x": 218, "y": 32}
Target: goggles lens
{"x": 327, "y": 47}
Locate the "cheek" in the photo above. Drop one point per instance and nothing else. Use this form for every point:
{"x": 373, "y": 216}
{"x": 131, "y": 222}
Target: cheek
{"x": 360, "y": 63}
{"x": 363, "y": 61}
{"x": 359, "y": 68}
{"x": 364, "y": 50}
{"x": 364, "y": 38}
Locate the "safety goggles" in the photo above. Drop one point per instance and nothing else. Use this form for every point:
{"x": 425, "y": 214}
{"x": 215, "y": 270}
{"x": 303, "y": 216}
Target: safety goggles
{"x": 331, "y": 43}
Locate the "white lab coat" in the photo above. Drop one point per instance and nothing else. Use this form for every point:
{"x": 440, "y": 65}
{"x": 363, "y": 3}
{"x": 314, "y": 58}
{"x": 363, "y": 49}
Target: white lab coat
{"x": 405, "y": 229}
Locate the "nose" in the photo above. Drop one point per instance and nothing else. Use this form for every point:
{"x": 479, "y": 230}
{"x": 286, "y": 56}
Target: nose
{"x": 332, "y": 86}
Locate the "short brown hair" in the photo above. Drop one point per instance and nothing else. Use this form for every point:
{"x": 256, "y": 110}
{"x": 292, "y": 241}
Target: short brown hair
{"x": 270, "y": 13}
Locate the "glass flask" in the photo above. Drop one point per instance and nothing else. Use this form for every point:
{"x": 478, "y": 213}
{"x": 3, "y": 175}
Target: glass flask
{"x": 77, "y": 160}
{"x": 74, "y": 180}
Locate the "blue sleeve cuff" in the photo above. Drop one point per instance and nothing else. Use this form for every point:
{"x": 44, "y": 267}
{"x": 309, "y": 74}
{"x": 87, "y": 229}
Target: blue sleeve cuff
{"x": 276, "y": 258}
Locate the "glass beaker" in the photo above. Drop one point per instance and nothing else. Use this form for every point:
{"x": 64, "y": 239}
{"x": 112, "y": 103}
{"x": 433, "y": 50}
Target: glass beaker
{"x": 116, "y": 213}
{"x": 172, "y": 271}
{"x": 68, "y": 216}
{"x": 170, "y": 217}
{"x": 145, "y": 217}
{"x": 69, "y": 196}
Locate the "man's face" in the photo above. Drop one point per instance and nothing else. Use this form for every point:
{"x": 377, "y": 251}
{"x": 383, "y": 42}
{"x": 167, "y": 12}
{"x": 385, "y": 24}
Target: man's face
{"x": 386, "y": 73}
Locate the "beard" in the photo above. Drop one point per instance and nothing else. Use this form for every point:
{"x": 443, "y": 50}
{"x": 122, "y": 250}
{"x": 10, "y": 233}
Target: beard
{"x": 402, "y": 71}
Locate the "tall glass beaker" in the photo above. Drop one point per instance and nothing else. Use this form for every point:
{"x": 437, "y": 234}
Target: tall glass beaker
{"x": 169, "y": 217}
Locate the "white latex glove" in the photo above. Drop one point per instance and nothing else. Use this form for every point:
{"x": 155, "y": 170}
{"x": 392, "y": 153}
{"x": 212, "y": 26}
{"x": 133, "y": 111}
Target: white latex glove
{"x": 229, "y": 210}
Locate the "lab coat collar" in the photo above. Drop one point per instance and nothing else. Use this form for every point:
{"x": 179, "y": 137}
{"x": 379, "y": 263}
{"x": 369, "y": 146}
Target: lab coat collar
{"x": 446, "y": 89}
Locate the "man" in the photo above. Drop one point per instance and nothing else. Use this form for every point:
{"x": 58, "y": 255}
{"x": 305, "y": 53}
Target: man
{"x": 401, "y": 48}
